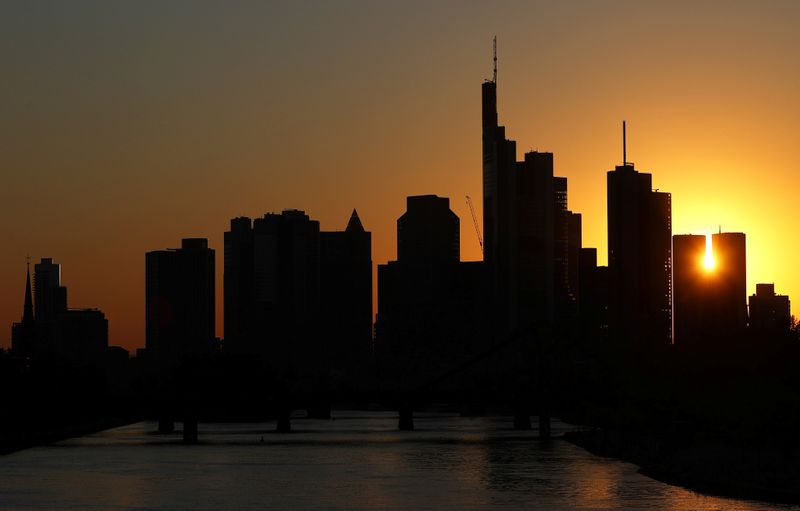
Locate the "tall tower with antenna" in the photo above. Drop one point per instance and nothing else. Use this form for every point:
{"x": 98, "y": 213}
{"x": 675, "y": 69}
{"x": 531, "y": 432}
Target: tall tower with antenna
{"x": 493, "y": 143}
{"x": 639, "y": 256}
{"x": 494, "y": 59}
{"x": 518, "y": 222}
{"x": 624, "y": 146}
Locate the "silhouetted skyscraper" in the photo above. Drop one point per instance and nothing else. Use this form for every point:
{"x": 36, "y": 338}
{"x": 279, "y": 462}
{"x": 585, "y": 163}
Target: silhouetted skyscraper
{"x": 730, "y": 255}
{"x": 431, "y": 309}
{"x": 534, "y": 217}
{"x": 238, "y": 283}
{"x": 567, "y": 244}
{"x": 710, "y": 301}
{"x": 526, "y": 227}
{"x": 499, "y": 193}
{"x": 574, "y": 247}
{"x": 346, "y": 302}
{"x": 50, "y": 295}
{"x": 287, "y": 285}
{"x": 50, "y": 300}
{"x": 179, "y": 296}
{"x": 593, "y": 293}
{"x": 54, "y": 332}
{"x": 639, "y": 258}
{"x": 297, "y": 299}
{"x": 428, "y": 232}
{"x": 769, "y": 311}
{"x": 81, "y": 336}
{"x": 692, "y": 286}
{"x": 273, "y": 288}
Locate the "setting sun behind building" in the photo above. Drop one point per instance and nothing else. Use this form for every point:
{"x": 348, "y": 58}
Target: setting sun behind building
{"x": 709, "y": 262}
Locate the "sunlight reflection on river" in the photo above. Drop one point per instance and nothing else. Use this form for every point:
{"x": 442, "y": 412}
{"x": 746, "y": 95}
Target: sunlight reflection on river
{"x": 356, "y": 461}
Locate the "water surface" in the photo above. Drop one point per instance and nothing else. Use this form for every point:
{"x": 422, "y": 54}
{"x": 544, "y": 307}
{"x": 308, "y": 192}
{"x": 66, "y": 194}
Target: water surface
{"x": 358, "y": 461}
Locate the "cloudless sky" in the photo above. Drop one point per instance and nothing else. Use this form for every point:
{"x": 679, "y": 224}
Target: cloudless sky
{"x": 125, "y": 126}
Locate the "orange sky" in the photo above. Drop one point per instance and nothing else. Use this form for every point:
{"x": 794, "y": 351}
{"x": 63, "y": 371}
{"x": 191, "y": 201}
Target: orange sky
{"x": 127, "y": 126}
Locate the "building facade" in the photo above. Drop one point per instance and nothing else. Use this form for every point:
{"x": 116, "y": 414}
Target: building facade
{"x": 730, "y": 304}
{"x": 299, "y": 301}
{"x": 530, "y": 236}
{"x": 179, "y": 302}
{"x": 769, "y": 311}
{"x": 346, "y": 301}
{"x": 50, "y": 331}
{"x": 431, "y": 307}
{"x": 639, "y": 259}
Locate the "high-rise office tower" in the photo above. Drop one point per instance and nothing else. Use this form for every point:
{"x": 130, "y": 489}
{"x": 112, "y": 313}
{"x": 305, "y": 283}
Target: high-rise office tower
{"x": 50, "y": 297}
{"x": 639, "y": 258}
{"x": 81, "y": 336}
{"x": 430, "y": 305}
{"x": 567, "y": 244}
{"x": 299, "y": 300}
{"x": 730, "y": 271}
{"x": 346, "y": 298}
{"x": 574, "y": 246}
{"x": 592, "y": 298}
{"x": 272, "y": 287}
{"x": 49, "y": 330}
{"x": 533, "y": 219}
{"x": 593, "y": 291}
{"x": 238, "y": 288}
{"x": 286, "y": 286}
{"x": 769, "y": 311}
{"x": 179, "y": 301}
{"x": 526, "y": 228}
{"x": 560, "y": 243}
{"x": 49, "y": 300}
{"x": 499, "y": 192}
{"x": 709, "y": 293}
{"x": 691, "y": 288}
{"x": 428, "y": 232}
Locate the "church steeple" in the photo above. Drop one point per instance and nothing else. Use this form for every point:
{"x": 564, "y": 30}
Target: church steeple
{"x": 27, "y": 314}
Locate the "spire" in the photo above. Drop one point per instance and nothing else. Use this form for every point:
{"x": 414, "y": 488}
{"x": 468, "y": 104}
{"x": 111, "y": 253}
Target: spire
{"x": 624, "y": 146}
{"x": 355, "y": 223}
{"x": 27, "y": 314}
{"x": 494, "y": 58}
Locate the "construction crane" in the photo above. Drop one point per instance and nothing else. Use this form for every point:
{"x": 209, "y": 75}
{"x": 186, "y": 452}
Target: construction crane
{"x": 475, "y": 222}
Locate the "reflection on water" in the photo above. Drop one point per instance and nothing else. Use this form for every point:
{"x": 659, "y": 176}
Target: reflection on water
{"x": 357, "y": 461}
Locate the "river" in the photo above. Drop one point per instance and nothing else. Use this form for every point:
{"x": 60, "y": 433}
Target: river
{"x": 357, "y": 461}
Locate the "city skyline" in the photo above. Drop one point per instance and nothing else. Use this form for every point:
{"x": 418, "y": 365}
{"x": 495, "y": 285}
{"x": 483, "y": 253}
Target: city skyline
{"x": 100, "y": 234}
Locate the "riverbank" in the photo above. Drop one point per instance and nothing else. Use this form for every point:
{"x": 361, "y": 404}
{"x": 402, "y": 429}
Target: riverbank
{"x": 753, "y": 472}
{"x": 17, "y": 441}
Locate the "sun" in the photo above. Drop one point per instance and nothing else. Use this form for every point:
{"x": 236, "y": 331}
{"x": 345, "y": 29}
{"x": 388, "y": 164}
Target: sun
{"x": 709, "y": 263}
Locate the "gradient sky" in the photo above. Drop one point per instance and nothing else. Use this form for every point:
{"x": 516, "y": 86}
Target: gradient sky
{"x": 126, "y": 126}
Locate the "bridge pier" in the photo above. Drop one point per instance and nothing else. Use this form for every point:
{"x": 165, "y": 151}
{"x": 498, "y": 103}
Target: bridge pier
{"x": 190, "y": 431}
{"x": 284, "y": 423}
{"x": 319, "y": 410}
{"x": 166, "y": 425}
{"x": 406, "y": 421}
{"x": 522, "y": 420}
{"x": 544, "y": 426}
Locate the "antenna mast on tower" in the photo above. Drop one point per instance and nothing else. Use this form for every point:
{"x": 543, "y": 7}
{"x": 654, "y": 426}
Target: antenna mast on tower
{"x": 624, "y": 146}
{"x": 494, "y": 57}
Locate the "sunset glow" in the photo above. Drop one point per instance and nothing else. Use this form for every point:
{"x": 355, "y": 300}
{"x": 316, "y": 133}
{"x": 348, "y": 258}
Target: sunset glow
{"x": 126, "y": 129}
{"x": 709, "y": 263}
